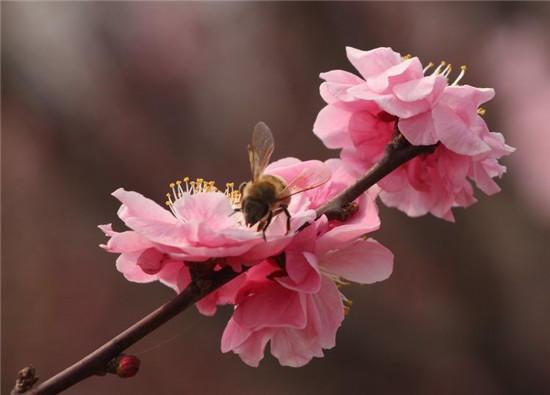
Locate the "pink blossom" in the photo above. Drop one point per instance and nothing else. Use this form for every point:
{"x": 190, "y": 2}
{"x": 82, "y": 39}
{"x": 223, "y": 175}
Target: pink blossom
{"x": 200, "y": 225}
{"x": 362, "y": 115}
{"x": 365, "y": 220}
{"x": 296, "y": 304}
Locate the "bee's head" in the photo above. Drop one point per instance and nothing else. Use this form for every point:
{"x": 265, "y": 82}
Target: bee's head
{"x": 254, "y": 210}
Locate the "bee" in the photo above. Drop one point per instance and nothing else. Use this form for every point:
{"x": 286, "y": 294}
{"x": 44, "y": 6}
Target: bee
{"x": 266, "y": 195}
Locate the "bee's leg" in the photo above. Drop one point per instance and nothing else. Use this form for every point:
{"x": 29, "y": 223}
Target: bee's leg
{"x": 285, "y": 210}
{"x": 264, "y": 224}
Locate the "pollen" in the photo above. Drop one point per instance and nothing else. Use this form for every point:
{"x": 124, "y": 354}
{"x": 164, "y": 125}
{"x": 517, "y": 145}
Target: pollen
{"x": 347, "y": 305}
{"x": 481, "y": 111}
{"x": 199, "y": 185}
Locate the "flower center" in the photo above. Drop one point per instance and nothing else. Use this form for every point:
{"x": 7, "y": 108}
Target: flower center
{"x": 181, "y": 187}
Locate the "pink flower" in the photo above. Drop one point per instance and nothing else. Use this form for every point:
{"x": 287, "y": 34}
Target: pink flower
{"x": 295, "y": 303}
{"x": 365, "y": 220}
{"x": 362, "y": 115}
{"x": 200, "y": 225}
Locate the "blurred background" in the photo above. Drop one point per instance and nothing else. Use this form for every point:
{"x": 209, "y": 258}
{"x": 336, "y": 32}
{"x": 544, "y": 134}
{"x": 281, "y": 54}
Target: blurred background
{"x": 101, "y": 95}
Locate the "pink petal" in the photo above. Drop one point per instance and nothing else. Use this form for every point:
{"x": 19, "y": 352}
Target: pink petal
{"x": 295, "y": 348}
{"x": 136, "y": 205}
{"x": 337, "y": 85}
{"x": 364, "y": 221}
{"x": 223, "y": 295}
{"x": 271, "y": 306}
{"x": 466, "y": 99}
{"x": 412, "y": 202}
{"x": 303, "y": 272}
{"x": 176, "y": 275}
{"x": 127, "y": 241}
{"x": 454, "y": 134}
{"x": 151, "y": 260}
{"x": 126, "y": 264}
{"x": 326, "y": 313}
{"x": 209, "y": 207}
{"x": 331, "y": 126}
{"x": 364, "y": 262}
{"x": 418, "y": 89}
{"x": 483, "y": 180}
{"x": 373, "y": 62}
{"x": 341, "y": 77}
{"x": 248, "y": 345}
{"x": 407, "y": 70}
{"x": 419, "y": 130}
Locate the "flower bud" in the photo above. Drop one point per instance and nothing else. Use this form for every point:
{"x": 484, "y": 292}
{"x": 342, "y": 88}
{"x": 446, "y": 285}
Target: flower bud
{"x": 125, "y": 366}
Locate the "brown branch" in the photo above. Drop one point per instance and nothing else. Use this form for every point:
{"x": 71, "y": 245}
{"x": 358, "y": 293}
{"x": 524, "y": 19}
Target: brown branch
{"x": 397, "y": 153}
{"x": 96, "y": 362}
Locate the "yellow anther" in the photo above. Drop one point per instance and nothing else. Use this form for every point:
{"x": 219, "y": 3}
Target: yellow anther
{"x": 407, "y": 56}
{"x": 172, "y": 185}
{"x": 167, "y": 203}
{"x": 481, "y": 111}
{"x": 178, "y": 182}
{"x": 185, "y": 179}
{"x": 347, "y": 306}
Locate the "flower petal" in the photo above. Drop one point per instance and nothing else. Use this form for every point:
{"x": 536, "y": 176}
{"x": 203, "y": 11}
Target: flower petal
{"x": 136, "y": 205}
{"x": 373, "y": 62}
{"x": 364, "y": 262}
{"x": 331, "y": 126}
{"x": 455, "y": 134}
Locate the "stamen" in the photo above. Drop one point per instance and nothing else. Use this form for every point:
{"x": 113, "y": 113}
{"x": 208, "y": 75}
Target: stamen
{"x": 438, "y": 69}
{"x": 462, "y": 72}
{"x": 178, "y": 190}
{"x": 447, "y": 70}
{"x": 406, "y": 57}
{"x": 429, "y": 66}
{"x": 481, "y": 111}
{"x": 347, "y": 305}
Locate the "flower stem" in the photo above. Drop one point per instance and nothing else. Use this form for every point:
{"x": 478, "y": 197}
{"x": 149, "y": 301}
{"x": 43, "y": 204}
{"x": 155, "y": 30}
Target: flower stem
{"x": 397, "y": 153}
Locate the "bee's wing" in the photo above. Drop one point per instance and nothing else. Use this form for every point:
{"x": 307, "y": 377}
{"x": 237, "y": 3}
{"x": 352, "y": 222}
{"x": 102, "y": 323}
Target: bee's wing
{"x": 309, "y": 178}
{"x": 259, "y": 152}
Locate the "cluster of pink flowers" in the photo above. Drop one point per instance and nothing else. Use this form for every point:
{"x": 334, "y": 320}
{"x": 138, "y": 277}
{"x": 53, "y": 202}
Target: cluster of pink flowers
{"x": 290, "y": 299}
{"x": 398, "y": 93}
{"x": 290, "y": 295}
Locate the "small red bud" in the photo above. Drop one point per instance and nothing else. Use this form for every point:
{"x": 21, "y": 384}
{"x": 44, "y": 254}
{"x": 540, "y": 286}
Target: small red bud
{"x": 127, "y": 365}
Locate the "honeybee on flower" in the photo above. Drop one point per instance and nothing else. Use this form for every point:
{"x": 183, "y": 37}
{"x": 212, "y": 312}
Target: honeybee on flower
{"x": 267, "y": 195}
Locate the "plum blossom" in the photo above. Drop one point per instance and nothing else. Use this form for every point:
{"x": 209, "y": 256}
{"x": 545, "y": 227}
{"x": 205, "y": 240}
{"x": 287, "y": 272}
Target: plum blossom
{"x": 296, "y": 305}
{"x": 200, "y": 225}
{"x": 395, "y": 93}
{"x": 293, "y": 301}
{"x": 365, "y": 220}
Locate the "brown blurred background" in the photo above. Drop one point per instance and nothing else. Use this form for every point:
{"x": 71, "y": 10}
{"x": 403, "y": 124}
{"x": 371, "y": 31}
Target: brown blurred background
{"x": 101, "y": 95}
